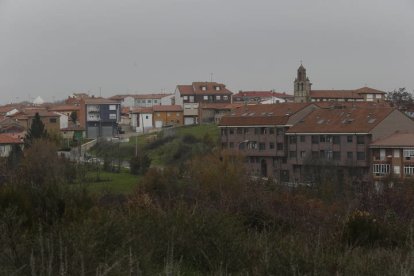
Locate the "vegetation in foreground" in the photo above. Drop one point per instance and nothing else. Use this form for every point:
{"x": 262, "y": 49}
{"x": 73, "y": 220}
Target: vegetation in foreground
{"x": 203, "y": 216}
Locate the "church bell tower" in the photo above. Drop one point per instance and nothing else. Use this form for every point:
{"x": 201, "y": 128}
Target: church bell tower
{"x": 302, "y": 86}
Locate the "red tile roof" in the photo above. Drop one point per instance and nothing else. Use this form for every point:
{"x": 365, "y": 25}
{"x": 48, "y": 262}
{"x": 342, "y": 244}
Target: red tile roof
{"x": 395, "y": 140}
{"x": 262, "y": 94}
{"x": 349, "y": 120}
{"x": 100, "y": 101}
{"x": 8, "y": 139}
{"x": 64, "y": 108}
{"x": 368, "y": 90}
{"x": 141, "y": 110}
{"x": 344, "y": 94}
{"x": 262, "y": 114}
{"x": 141, "y": 96}
{"x": 197, "y": 89}
{"x": 220, "y": 106}
{"x": 161, "y": 108}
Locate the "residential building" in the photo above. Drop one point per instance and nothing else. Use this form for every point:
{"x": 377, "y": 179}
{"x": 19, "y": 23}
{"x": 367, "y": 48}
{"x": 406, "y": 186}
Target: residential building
{"x": 258, "y": 133}
{"x": 191, "y": 96}
{"x": 7, "y": 142}
{"x": 100, "y": 117}
{"x": 283, "y": 140}
{"x": 303, "y": 92}
{"x": 393, "y": 158}
{"x": 167, "y": 115}
{"x": 141, "y": 119}
{"x": 144, "y": 100}
{"x": 212, "y": 112}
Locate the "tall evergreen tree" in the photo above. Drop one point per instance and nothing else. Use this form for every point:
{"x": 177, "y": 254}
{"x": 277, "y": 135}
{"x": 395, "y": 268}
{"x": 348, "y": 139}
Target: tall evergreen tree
{"x": 37, "y": 131}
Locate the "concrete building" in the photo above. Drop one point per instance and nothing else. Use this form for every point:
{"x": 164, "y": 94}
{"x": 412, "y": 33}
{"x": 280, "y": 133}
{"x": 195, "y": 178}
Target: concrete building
{"x": 261, "y": 97}
{"x": 167, "y": 115}
{"x": 7, "y": 142}
{"x": 141, "y": 119}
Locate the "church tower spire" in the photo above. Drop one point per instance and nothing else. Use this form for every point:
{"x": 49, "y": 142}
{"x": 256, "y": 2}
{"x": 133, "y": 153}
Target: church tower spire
{"x": 302, "y": 86}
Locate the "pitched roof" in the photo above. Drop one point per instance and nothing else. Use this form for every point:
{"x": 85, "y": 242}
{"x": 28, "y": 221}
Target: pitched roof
{"x": 344, "y": 94}
{"x": 141, "y": 96}
{"x": 262, "y": 94}
{"x": 395, "y": 140}
{"x": 8, "y": 139}
{"x": 342, "y": 105}
{"x": 100, "y": 101}
{"x": 141, "y": 110}
{"x": 64, "y": 108}
{"x": 161, "y": 108}
{"x": 266, "y": 114}
{"x": 6, "y": 108}
{"x": 349, "y": 120}
{"x": 220, "y": 106}
{"x": 197, "y": 88}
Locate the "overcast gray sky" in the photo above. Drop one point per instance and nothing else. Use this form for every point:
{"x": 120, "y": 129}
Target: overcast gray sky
{"x": 52, "y": 48}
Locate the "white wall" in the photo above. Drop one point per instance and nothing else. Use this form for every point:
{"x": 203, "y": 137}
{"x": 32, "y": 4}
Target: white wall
{"x": 63, "y": 120}
{"x": 178, "y": 98}
{"x": 168, "y": 100}
{"x": 128, "y": 102}
{"x": 145, "y": 122}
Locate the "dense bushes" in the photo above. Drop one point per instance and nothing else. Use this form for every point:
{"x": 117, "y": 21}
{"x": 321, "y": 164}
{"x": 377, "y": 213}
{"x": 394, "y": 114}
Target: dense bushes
{"x": 205, "y": 217}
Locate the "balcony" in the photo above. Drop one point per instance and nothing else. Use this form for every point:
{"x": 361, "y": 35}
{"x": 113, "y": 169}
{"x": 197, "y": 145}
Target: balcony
{"x": 93, "y": 108}
{"x": 93, "y": 118}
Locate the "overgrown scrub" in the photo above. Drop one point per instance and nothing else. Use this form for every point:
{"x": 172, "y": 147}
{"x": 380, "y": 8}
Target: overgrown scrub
{"x": 205, "y": 217}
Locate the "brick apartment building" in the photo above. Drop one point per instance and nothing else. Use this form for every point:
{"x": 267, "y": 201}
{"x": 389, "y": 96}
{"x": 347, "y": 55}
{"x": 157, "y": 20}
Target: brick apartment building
{"x": 280, "y": 140}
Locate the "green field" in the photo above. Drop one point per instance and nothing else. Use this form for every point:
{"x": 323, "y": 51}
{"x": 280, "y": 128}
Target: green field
{"x": 118, "y": 183}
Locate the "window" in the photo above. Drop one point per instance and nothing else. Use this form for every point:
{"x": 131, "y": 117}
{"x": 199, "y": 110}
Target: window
{"x": 360, "y": 139}
{"x": 112, "y": 116}
{"x": 148, "y": 101}
{"x": 292, "y": 154}
{"x": 52, "y": 120}
{"x": 322, "y": 154}
{"x": 336, "y": 139}
{"x": 303, "y": 138}
{"x": 336, "y": 155}
{"x": 252, "y": 145}
{"x": 225, "y": 98}
{"x": 205, "y": 98}
{"x": 224, "y": 131}
{"x": 185, "y": 98}
{"x": 217, "y": 88}
{"x": 231, "y": 130}
{"x": 322, "y": 138}
{"x": 302, "y": 154}
{"x": 191, "y": 99}
{"x": 396, "y": 153}
{"x": 349, "y": 138}
{"x": 279, "y": 146}
{"x": 350, "y": 155}
{"x": 315, "y": 139}
{"x": 256, "y": 130}
{"x": 262, "y": 146}
{"x": 292, "y": 139}
{"x": 112, "y": 107}
{"x": 155, "y": 101}
{"x": 203, "y": 88}
{"x": 146, "y": 117}
{"x": 239, "y": 130}
{"x": 360, "y": 155}
{"x": 271, "y": 130}
{"x": 381, "y": 169}
{"x": 246, "y": 130}
{"x": 408, "y": 154}
{"x": 397, "y": 170}
{"x": 271, "y": 145}
{"x": 279, "y": 131}
{"x": 409, "y": 170}
{"x": 263, "y": 130}
{"x": 329, "y": 154}
{"x": 218, "y": 97}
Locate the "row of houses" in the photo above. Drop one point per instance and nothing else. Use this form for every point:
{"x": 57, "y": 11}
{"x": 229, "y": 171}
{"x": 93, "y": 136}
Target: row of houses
{"x": 284, "y": 141}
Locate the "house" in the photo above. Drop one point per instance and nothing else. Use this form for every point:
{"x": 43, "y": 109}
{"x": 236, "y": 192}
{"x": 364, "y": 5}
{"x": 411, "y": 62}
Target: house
{"x": 49, "y": 119}
{"x": 263, "y": 97}
{"x": 7, "y": 142}
{"x": 8, "y": 125}
{"x": 100, "y": 117}
{"x": 303, "y": 92}
{"x": 144, "y": 100}
{"x": 393, "y": 157}
{"x": 212, "y": 112}
{"x": 141, "y": 119}
{"x": 75, "y": 133}
{"x": 8, "y": 110}
{"x": 167, "y": 115}
{"x": 191, "y": 96}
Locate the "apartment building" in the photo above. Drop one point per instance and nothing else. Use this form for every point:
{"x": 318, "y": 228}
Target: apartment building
{"x": 99, "y": 117}
{"x": 191, "y": 96}
{"x": 283, "y": 140}
{"x": 393, "y": 158}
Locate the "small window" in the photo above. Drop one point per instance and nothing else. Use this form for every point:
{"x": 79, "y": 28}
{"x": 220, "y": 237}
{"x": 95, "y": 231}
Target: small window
{"x": 217, "y": 88}
{"x": 231, "y": 130}
{"x": 349, "y": 138}
{"x": 292, "y": 154}
{"x": 218, "y": 97}
{"x": 302, "y": 138}
{"x": 271, "y": 130}
{"x": 336, "y": 155}
{"x": 315, "y": 139}
{"x": 52, "y": 120}
{"x": 112, "y": 116}
{"x": 360, "y": 155}
{"x": 336, "y": 139}
{"x": 360, "y": 139}
{"x": 350, "y": 155}
{"x": 239, "y": 130}
{"x": 203, "y": 88}
{"x": 279, "y": 146}
{"x": 155, "y": 101}
{"x": 185, "y": 98}
{"x": 146, "y": 117}
{"x": 112, "y": 107}
{"x": 271, "y": 145}
{"x": 262, "y": 146}
{"x": 205, "y": 98}
{"x": 292, "y": 139}
{"x": 302, "y": 154}
{"x": 191, "y": 99}
{"x": 225, "y": 98}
